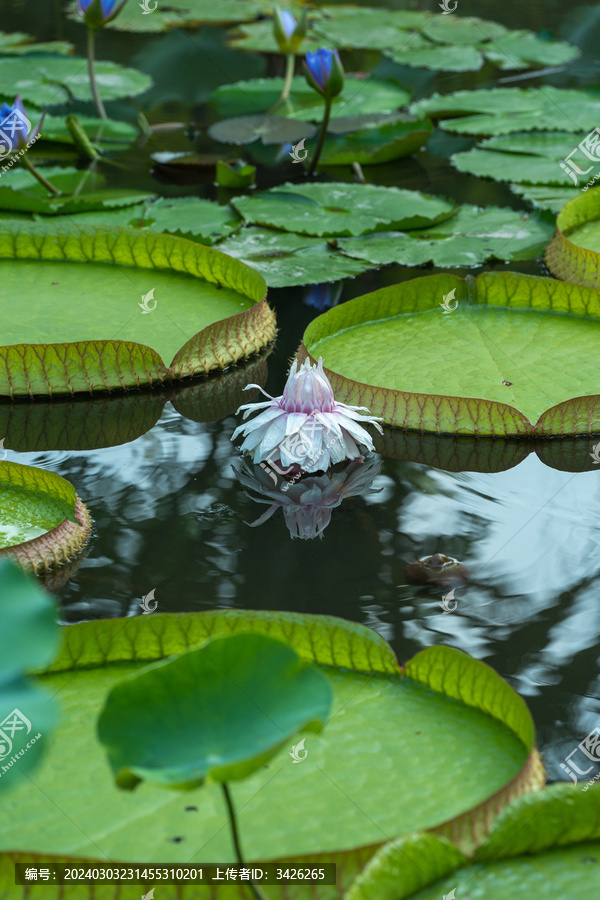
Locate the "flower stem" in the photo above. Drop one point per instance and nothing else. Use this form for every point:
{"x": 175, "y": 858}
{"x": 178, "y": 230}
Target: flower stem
{"x": 95, "y": 93}
{"x": 324, "y": 125}
{"x": 256, "y": 892}
{"x": 290, "y": 61}
{"x": 49, "y": 187}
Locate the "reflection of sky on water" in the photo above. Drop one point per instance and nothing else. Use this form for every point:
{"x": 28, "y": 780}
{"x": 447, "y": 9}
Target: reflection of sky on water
{"x": 170, "y": 515}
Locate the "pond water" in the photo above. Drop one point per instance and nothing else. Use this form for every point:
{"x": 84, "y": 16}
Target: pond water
{"x": 172, "y": 516}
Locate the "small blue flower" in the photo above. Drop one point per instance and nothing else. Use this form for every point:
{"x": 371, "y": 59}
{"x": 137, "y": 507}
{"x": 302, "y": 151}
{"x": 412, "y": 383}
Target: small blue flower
{"x": 97, "y": 13}
{"x": 289, "y": 34}
{"x": 15, "y": 128}
{"x": 324, "y": 72}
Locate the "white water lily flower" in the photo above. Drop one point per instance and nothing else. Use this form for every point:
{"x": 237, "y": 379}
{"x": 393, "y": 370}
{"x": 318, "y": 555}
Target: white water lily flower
{"x": 306, "y": 426}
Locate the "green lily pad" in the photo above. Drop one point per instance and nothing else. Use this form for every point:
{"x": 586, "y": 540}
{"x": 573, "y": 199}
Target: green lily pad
{"x": 200, "y": 309}
{"x": 285, "y": 259}
{"x": 258, "y": 95}
{"x": 543, "y": 197}
{"x": 333, "y": 803}
{"x": 468, "y": 239}
{"x": 53, "y": 80}
{"x": 511, "y": 355}
{"x": 21, "y": 191}
{"x": 372, "y": 146}
{"x": 506, "y": 110}
{"x": 523, "y": 49}
{"x": 464, "y": 31}
{"x": 234, "y": 703}
{"x": 529, "y": 158}
{"x": 17, "y": 43}
{"x": 436, "y": 56}
{"x": 29, "y": 637}
{"x": 340, "y": 208}
{"x": 42, "y": 521}
{"x": 368, "y": 28}
{"x": 541, "y": 845}
{"x": 201, "y": 220}
{"x": 270, "y": 129}
{"x": 574, "y": 252}
{"x": 179, "y": 13}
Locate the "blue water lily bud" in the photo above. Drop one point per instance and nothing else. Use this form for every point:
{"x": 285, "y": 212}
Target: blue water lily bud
{"x": 97, "y": 13}
{"x": 16, "y": 132}
{"x": 324, "y": 72}
{"x": 289, "y": 34}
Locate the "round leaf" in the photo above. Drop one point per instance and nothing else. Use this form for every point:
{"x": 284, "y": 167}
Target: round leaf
{"x": 53, "y": 80}
{"x": 227, "y": 708}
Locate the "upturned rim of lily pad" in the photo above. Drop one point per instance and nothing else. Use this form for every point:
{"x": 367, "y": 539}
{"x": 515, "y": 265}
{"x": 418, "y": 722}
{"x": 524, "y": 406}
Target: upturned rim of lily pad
{"x": 456, "y": 415}
{"x": 565, "y": 259}
{"x": 62, "y": 545}
{"x": 78, "y": 367}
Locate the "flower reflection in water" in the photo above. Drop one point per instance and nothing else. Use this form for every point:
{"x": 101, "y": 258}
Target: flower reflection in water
{"x": 307, "y": 504}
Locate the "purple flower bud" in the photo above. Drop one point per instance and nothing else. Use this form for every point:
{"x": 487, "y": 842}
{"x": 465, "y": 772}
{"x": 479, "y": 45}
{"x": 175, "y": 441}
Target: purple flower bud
{"x": 324, "y": 71}
{"x": 288, "y": 21}
{"x": 15, "y": 128}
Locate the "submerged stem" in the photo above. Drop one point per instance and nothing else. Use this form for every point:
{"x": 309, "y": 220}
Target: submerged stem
{"x": 47, "y": 184}
{"x": 95, "y": 93}
{"x": 256, "y": 892}
{"x": 324, "y": 125}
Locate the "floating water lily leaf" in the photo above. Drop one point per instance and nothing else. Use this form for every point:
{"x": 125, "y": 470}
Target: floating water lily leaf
{"x": 369, "y": 28}
{"x": 539, "y": 845}
{"x": 285, "y": 259}
{"x": 258, "y": 37}
{"x": 522, "y": 49}
{"x": 270, "y": 129}
{"x": 18, "y": 43}
{"x": 514, "y": 357}
{"x": 359, "y": 96}
{"x": 178, "y": 13}
{"x": 376, "y": 145}
{"x": 336, "y": 804}
{"x": 81, "y": 423}
{"x": 52, "y": 80}
{"x": 574, "y": 252}
{"x": 340, "y": 208}
{"x": 22, "y": 192}
{"x": 234, "y": 703}
{"x": 201, "y": 220}
{"x": 505, "y": 110}
{"x": 462, "y": 30}
{"x": 437, "y": 56}
{"x": 29, "y": 637}
{"x": 68, "y": 335}
{"x": 552, "y": 198}
{"x": 43, "y": 522}
{"x": 529, "y": 158}
{"x": 468, "y": 239}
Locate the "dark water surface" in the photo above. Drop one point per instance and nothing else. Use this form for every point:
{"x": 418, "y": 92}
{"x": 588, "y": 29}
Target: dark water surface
{"x": 171, "y": 515}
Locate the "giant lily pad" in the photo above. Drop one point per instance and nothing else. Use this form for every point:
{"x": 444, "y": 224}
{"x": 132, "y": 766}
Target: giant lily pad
{"x": 43, "y": 523}
{"x": 510, "y": 355}
{"x": 506, "y": 110}
{"x": 28, "y": 638}
{"x": 574, "y": 253}
{"x": 81, "y": 423}
{"x": 544, "y": 845}
{"x": 339, "y": 208}
{"x": 199, "y": 309}
{"x": 333, "y": 803}
{"x": 52, "y": 80}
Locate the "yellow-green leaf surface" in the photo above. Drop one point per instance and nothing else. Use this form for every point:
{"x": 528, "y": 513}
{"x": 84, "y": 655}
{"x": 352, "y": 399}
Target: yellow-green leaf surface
{"x": 574, "y": 252}
{"x": 382, "y": 740}
{"x": 511, "y": 355}
{"x": 42, "y": 521}
{"x": 81, "y": 323}
{"x": 543, "y": 845}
